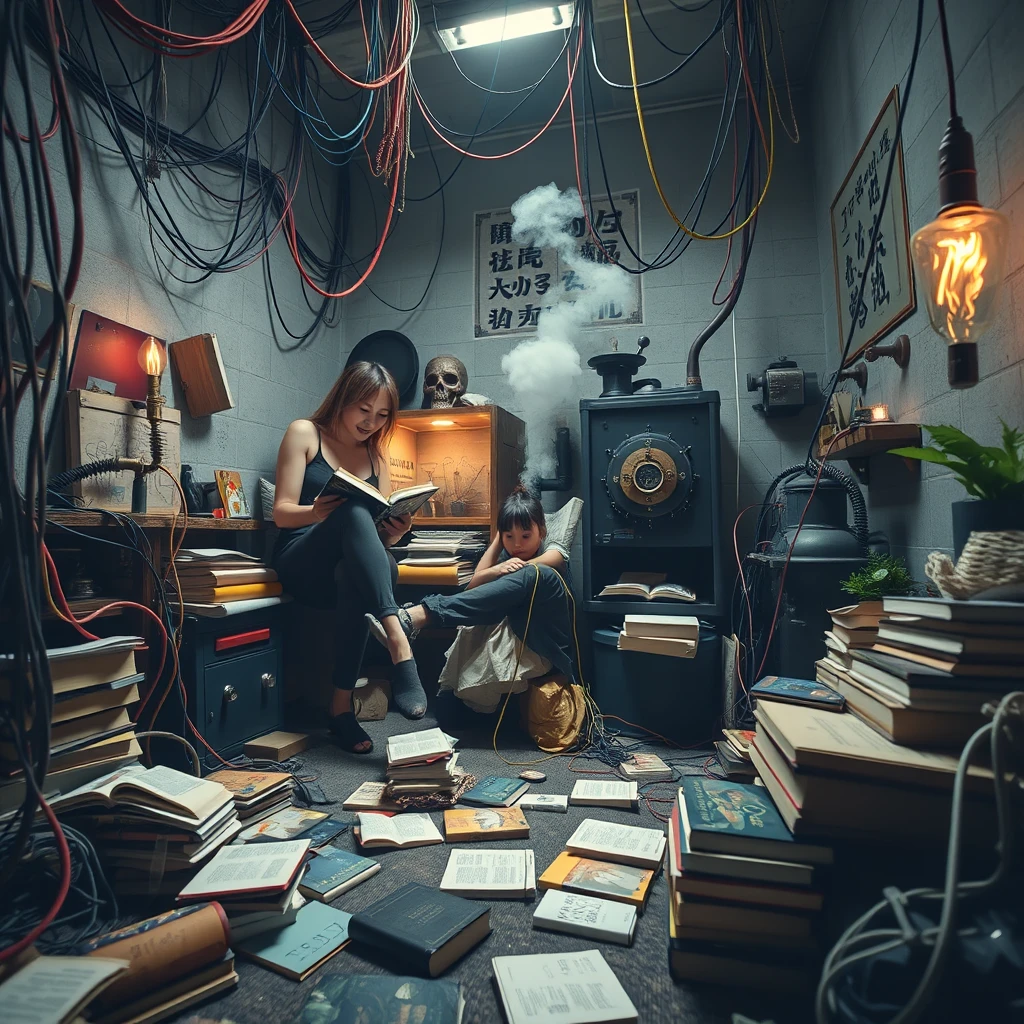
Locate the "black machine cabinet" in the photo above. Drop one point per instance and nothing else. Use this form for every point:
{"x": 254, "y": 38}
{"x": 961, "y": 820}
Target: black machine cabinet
{"x": 232, "y": 669}
{"x": 652, "y": 480}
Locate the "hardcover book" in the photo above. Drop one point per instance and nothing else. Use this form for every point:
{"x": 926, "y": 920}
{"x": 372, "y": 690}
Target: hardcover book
{"x": 324, "y": 831}
{"x": 798, "y": 691}
{"x": 720, "y": 816}
{"x": 495, "y": 791}
{"x": 287, "y": 824}
{"x": 427, "y": 929}
{"x": 623, "y": 883}
{"x": 298, "y": 949}
{"x": 680, "y": 627}
{"x": 587, "y": 916}
{"x": 403, "y": 501}
{"x": 332, "y": 872}
{"x": 466, "y": 826}
{"x": 383, "y": 999}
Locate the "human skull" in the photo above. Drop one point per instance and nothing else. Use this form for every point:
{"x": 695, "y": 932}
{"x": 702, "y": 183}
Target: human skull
{"x": 444, "y": 381}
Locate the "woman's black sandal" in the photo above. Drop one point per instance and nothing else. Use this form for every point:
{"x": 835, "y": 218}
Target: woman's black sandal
{"x": 404, "y": 619}
{"x": 346, "y": 729}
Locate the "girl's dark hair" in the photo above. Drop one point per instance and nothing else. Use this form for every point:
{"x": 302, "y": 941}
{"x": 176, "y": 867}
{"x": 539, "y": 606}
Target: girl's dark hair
{"x": 521, "y": 509}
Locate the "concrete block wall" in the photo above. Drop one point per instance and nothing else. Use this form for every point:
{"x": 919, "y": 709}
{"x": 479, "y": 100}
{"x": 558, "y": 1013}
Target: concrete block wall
{"x": 864, "y": 49}
{"x": 125, "y": 279}
{"x": 779, "y": 311}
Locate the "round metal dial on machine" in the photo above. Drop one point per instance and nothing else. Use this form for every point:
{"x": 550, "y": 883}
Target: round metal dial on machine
{"x": 649, "y": 475}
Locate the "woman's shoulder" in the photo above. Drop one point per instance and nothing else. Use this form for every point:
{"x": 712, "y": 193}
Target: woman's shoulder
{"x": 304, "y": 430}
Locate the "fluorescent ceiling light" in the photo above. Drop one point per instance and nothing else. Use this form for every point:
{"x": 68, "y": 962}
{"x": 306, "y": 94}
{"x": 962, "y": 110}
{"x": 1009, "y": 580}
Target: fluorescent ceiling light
{"x": 512, "y": 25}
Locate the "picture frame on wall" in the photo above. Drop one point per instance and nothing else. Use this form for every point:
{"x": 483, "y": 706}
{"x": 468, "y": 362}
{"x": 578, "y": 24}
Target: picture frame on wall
{"x": 889, "y": 292}
{"x": 40, "y": 311}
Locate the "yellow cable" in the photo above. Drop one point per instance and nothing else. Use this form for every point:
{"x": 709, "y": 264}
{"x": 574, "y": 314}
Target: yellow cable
{"x": 650, "y": 160}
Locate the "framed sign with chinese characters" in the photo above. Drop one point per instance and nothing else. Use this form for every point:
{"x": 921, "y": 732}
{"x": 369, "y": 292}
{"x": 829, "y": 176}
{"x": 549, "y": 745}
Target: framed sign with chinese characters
{"x": 889, "y": 292}
{"x": 512, "y": 280}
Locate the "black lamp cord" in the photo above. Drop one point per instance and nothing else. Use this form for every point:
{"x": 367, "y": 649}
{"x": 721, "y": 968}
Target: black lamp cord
{"x": 950, "y": 77}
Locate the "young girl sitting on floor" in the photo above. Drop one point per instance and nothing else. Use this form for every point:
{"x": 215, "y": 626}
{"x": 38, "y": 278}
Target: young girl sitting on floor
{"x": 519, "y": 568}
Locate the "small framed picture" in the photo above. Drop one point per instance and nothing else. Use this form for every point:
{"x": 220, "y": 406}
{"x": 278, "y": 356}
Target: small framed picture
{"x": 232, "y": 496}
{"x": 40, "y": 314}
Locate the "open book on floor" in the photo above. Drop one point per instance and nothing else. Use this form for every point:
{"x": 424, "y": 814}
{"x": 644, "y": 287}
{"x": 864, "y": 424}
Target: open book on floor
{"x": 401, "y": 502}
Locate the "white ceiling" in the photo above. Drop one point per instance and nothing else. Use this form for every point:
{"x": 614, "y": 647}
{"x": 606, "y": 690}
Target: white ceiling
{"x": 456, "y": 102}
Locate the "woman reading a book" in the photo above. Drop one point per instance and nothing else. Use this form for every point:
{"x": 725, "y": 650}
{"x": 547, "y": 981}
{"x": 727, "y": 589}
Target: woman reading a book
{"x": 330, "y": 552}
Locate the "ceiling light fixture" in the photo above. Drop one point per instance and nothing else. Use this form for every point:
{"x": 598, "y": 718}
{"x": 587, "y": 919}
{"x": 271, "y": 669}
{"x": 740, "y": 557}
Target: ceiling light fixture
{"x": 461, "y": 31}
{"x": 961, "y": 255}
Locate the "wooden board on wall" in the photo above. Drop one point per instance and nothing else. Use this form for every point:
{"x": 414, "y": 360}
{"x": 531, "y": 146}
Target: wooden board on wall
{"x": 104, "y": 427}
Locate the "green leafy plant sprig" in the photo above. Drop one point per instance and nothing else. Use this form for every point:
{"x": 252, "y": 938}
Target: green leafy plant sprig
{"x": 883, "y": 576}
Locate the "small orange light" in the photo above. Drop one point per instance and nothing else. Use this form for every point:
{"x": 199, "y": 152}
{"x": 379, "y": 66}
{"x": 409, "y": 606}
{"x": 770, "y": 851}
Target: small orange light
{"x": 152, "y": 357}
{"x": 442, "y": 423}
{"x": 880, "y": 413}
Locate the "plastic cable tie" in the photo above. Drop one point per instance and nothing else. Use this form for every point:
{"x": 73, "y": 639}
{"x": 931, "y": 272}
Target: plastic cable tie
{"x": 897, "y": 902}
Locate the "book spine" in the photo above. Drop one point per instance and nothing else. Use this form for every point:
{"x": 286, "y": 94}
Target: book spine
{"x": 362, "y": 929}
{"x": 583, "y": 930}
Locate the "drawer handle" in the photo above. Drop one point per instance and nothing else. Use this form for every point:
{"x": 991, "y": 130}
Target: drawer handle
{"x": 254, "y": 636}
{"x": 230, "y": 693}
{"x": 269, "y": 680}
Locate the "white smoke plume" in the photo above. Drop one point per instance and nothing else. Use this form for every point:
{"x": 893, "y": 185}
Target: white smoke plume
{"x": 541, "y": 370}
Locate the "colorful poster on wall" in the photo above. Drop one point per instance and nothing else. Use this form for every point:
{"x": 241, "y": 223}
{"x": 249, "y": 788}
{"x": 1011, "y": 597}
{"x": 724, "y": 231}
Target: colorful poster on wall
{"x": 889, "y": 292}
{"x": 512, "y": 280}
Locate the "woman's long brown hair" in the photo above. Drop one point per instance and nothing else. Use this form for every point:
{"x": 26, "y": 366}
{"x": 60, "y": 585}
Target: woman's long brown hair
{"x": 360, "y": 382}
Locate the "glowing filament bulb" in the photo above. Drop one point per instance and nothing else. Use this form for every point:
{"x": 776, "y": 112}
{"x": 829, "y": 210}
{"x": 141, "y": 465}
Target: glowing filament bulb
{"x": 152, "y": 357}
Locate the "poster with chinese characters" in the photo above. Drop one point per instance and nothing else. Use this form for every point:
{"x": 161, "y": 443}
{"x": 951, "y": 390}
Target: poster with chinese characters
{"x": 512, "y": 280}
{"x": 889, "y": 291}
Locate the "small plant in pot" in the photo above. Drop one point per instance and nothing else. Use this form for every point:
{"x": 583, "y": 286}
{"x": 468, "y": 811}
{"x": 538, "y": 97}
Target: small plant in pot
{"x": 995, "y": 476}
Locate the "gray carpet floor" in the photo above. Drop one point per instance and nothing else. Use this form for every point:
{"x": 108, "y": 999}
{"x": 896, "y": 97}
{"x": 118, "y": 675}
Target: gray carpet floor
{"x": 263, "y": 996}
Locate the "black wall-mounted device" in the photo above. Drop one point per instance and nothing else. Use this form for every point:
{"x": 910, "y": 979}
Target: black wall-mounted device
{"x": 785, "y": 389}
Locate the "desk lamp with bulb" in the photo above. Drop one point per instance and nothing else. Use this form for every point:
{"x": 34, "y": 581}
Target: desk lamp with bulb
{"x": 152, "y": 359}
{"x": 961, "y": 255}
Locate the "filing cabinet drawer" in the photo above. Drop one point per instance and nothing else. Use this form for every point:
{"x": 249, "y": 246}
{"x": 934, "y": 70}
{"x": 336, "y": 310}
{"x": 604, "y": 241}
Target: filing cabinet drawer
{"x": 242, "y": 699}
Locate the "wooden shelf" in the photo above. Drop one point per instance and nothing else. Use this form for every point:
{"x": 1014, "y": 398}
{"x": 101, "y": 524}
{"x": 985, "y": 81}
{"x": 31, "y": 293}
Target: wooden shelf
{"x": 151, "y": 521}
{"x": 873, "y": 439}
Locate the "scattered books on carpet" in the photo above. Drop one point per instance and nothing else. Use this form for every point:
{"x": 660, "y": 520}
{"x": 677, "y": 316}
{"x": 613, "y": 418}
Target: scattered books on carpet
{"x": 465, "y": 825}
{"x": 298, "y": 949}
{"x": 402, "y": 831}
{"x": 649, "y": 586}
{"x": 623, "y": 883}
{"x": 257, "y": 794}
{"x": 495, "y": 791}
{"x": 643, "y": 768}
{"x": 490, "y": 874}
{"x": 587, "y": 916}
{"x": 394, "y": 999}
{"x": 331, "y": 872}
{"x": 420, "y": 927}
{"x": 568, "y": 988}
{"x": 289, "y": 823}
{"x": 370, "y": 796}
{"x": 554, "y": 802}
{"x": 624, "y": 844}
{"x": 605, "y": 793}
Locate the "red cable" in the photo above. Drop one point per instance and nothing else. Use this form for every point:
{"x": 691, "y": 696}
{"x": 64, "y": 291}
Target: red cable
{"x": 156, "y": 37}
{"x": 62, "y": 891}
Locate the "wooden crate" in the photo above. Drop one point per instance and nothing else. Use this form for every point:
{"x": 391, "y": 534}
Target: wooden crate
{"x": 474, "y": 454}
{"x": 103, "y": 426}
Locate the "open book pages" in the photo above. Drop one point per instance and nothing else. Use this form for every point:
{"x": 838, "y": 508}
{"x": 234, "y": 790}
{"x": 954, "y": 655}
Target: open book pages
{"x": 608, "y": 840}
{"x": 234, "y": 870}
{"x": 604, "y": 793}
{"x": 401, "y": 830}
{"x": 562, "y": 988}
{"x": 55, "y": 988}
{"x": 400, "y": 502}
{"x": 370, "y": 797}
{"x": 490, "y": 873}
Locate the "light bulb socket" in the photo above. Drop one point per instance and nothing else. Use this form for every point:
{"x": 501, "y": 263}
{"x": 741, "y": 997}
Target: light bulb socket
{"x": 962, "y": 364}
{"x": 958, "y": 177}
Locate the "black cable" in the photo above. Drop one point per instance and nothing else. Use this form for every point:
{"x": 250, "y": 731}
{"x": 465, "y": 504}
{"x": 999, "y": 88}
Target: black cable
{"x": 948, "y": 55}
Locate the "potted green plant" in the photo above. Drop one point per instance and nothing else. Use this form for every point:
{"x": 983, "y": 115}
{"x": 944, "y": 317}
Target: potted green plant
{"x": 994, "y": 476}
{"x": 883, "y": 576}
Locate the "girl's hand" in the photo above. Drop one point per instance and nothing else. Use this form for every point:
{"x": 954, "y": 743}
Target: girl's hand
{"x": 325, "y": 504}
{"x": 394, "y": 529}
{"x": 510, "y": 565}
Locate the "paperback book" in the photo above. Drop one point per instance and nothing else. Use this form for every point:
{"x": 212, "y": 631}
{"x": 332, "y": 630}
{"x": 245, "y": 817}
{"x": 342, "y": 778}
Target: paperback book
{"x": 587, "y": 916}
{"x": 623, "y": 883}
{"x": 490, "y": 874}
{"x": 485, "y": 823}
{"x": 604, "y": 793}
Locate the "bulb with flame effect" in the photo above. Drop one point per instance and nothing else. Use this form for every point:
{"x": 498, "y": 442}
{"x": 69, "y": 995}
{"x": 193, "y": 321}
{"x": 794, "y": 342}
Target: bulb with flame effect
{"x": 960, "y": 260}
{"x": 152, "y": 357}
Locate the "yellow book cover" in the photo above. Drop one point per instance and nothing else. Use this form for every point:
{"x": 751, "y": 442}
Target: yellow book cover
{"x": 245, "y": 592}
{"x": 622, "y": 883}
{"x": 437, "y": 575}
{"x": 467, "y": 825}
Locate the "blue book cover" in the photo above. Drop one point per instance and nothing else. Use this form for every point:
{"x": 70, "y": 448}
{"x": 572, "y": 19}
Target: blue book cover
{"x": 383, "y": 999}
{"x": 331, "y": 868}
{"x": 324, "y": 831}
{"x": 798, "y": 691}
{"x": 495, "y": 791}
{"x": 298, "y": 949}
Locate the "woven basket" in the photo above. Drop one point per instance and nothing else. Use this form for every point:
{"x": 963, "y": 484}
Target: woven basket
{"x": 987, "y": 560}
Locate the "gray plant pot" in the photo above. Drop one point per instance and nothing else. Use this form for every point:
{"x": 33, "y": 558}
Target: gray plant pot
{"x": 983, "y": 516}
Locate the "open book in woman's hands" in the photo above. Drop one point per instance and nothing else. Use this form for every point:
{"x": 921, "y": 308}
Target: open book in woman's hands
{"x": 401, "y": 502}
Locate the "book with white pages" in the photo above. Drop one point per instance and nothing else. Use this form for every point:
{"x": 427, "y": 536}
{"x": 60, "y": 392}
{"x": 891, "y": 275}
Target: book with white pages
{"x": 54, "y": 989}
{"x": 555, "y": 802}
{"x": 402, "y": 831}
{"x": 624, "y": 844}
{"x": 587, "y": 916}
{"x": 369, "y": 797}
{"x": 562, "y": 988}
{"x": 201, "y": 555}
{"x": 419, "y": 746}
{"x": 604, "y": 793}
{"x": 248, "y": 870}
{"x": 490, "y": 874}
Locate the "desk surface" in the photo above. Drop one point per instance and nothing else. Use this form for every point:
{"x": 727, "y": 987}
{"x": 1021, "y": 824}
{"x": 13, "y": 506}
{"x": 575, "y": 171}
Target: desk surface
{"x": 150, "y": 521}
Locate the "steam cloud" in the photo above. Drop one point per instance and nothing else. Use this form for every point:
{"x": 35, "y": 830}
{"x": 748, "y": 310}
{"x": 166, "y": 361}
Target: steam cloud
{"x": 540, "y": 370}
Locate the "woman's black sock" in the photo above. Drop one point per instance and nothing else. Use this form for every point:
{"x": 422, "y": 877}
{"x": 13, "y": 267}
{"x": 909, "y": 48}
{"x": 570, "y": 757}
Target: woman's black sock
{"x": 349, "y": 733}
{"x": 407, "y": 689}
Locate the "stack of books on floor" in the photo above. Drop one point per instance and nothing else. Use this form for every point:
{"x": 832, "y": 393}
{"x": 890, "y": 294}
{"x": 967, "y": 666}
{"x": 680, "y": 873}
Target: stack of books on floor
{"x": 854, "y": 627}
{"x": 154, "y": 827}
{"x": 215, "y": 582}
{"x": 95, "y": 685}
{"x": 440, "y": 557}
{"x": 421, "y": 762}
{"x": 257, "y": 795}
{"x": 734, "y": 754}
{"x": 743, "y": 891}
{"x": 674, "y": 635}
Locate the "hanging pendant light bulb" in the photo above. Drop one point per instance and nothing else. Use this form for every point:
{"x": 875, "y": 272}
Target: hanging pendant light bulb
{"x": 961, "y": 255}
